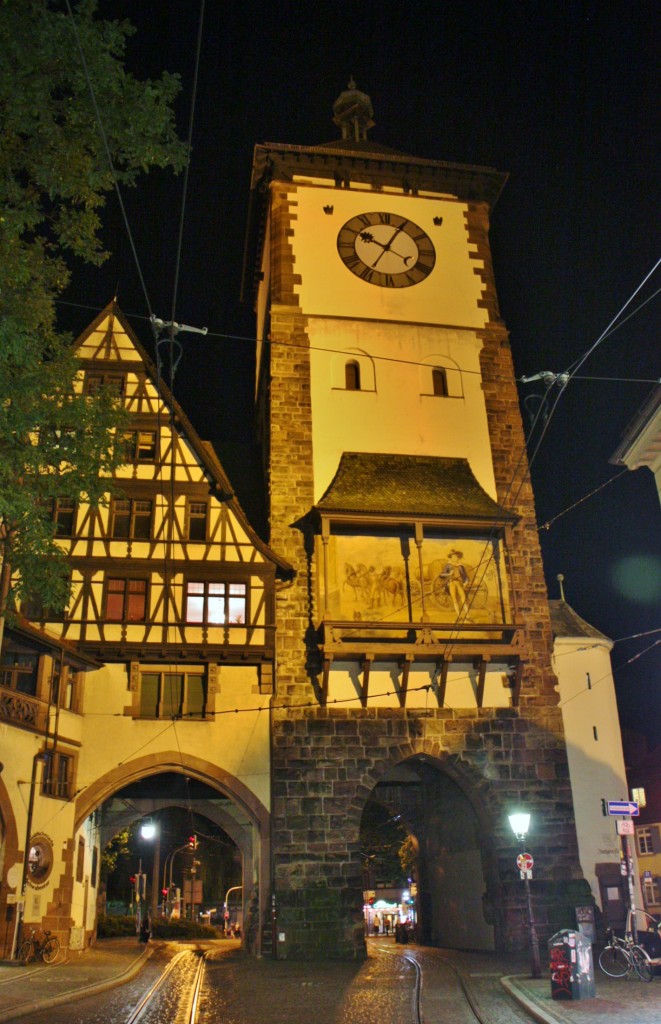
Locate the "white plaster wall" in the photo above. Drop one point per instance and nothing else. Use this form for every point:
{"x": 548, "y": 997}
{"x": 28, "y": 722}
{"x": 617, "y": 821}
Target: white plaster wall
{"x": 345, "y": 680}
{"x": 395, "y": 411}
{"x": 449, "y": 295}
{"x": 236, "y": 738}
{"x": 596, "y": 766}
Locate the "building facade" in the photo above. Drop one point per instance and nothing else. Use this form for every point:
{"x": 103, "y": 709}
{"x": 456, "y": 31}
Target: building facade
{"x": 414, "y": 648}
{"x": 163, "y": 661}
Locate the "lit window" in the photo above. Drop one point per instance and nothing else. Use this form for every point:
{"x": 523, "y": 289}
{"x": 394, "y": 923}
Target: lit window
{"x": 172, "y": 695}
{"x": 638, "y": 794}
{"x": 131, "y": 519}
{"x": 439, "y": 382}
{"x": 126, "y": 600}
{"x": 197, "y": 520}
{"x": 352, "y": 376}
{"x": 216, "y": 603}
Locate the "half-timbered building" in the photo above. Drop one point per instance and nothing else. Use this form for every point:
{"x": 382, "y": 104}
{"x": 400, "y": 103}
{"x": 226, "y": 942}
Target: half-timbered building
{"x": 163, "y": 660}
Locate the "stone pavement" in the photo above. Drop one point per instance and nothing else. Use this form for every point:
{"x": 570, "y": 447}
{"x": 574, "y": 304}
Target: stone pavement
{"x": 111, "y": 962}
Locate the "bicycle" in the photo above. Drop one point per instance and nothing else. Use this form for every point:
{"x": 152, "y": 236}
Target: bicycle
{"x": 621, "y": 957}
{"x": 45, "y": 949}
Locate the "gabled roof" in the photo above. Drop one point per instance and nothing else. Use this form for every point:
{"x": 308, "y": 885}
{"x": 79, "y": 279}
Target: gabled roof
{"x": 566, "y": 623}
{"x": 413, "y": 486}
{"x": 204, "y": 450}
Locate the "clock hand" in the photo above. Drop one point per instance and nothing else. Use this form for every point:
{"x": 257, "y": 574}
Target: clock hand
{"x": 367, "y": 236}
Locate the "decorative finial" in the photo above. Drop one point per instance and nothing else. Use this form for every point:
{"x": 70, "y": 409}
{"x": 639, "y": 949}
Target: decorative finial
{"x": 353, "y": 112}
{"x": 561, "y": 579}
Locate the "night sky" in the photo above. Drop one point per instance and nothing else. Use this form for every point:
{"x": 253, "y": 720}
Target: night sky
{"x": 562, "y": 96}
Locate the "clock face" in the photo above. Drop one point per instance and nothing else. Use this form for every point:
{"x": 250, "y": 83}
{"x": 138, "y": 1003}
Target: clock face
{"x": 386, "y": 249}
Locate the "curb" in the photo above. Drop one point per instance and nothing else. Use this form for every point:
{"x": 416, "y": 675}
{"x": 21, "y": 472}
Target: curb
{"x": 36, "y": 1005}
{"x": 529, "y": 1005}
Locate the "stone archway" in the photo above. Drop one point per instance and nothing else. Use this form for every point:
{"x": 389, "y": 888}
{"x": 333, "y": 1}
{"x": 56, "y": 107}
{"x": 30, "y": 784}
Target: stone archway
{"x": 236, "y": 810}
{"x": 441, "y": 801}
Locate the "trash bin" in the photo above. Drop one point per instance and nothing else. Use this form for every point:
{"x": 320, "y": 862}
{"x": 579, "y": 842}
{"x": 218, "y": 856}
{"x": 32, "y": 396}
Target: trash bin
{"x": 571, "y": 966}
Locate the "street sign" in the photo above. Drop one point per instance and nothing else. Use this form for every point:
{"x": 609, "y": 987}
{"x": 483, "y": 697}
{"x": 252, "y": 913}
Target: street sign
{"x": 629, "y": 807}
{"x": 524, "y": 862}
{"x": 624, "y": 827}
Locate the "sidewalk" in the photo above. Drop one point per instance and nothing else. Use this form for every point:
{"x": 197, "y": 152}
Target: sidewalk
{"x": 26, "y": 990}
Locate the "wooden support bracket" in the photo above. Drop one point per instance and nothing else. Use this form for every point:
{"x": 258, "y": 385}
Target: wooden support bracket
{"x": 324, "y": 681}
{"x": 481, "y": 665}
{"x": 442, "y": 671}
{"x": 366, "y": 666}
{"x": 405, "y": 666}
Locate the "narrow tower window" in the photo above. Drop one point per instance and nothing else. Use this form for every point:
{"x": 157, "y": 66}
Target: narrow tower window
{"x": 352, "y": 376}
{"x": 439, "y": 382}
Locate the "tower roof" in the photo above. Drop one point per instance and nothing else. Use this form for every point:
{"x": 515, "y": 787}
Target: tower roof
{"x": 566, "y": 623}
{"x": 353, "y": 112}
{"x": 413, "y": 486}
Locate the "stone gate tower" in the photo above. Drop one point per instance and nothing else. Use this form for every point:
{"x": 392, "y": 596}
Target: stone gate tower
{"x": 414, "y": 647}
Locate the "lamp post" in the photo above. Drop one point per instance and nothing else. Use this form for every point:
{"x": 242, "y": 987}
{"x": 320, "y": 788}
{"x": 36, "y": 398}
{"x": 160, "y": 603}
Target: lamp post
{"x": 149, "y": 831}
{"x": 520, "y": 823}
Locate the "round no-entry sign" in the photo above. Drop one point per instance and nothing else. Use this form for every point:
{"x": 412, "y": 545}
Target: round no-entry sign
{"x": 524, "y": 862}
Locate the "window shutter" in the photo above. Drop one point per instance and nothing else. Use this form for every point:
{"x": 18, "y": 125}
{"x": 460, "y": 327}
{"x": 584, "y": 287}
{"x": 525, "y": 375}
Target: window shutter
{"x": 656, "y": 839}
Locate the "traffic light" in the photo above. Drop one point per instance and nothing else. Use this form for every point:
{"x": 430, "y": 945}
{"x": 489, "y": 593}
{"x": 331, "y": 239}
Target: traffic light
{"x": 192, "y": 842}
{"x": 164, "y": 893}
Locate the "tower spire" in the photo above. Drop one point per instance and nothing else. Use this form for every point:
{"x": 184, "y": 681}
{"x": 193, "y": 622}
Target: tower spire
{"x": 353, "y": 112}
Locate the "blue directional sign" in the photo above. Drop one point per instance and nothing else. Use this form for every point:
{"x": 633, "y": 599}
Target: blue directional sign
{"x": 629, "y": 807}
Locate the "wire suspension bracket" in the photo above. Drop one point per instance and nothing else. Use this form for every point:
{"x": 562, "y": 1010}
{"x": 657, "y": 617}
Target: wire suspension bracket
{"x": 165, "y": 333}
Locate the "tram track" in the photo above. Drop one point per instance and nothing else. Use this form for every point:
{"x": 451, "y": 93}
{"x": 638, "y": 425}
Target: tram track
{"x": 187, "y": 999}
{"x": 474, "y": 1013}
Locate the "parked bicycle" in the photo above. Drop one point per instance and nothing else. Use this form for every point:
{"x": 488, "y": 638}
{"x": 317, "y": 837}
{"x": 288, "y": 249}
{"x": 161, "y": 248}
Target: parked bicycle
{"x": 622, "y": 957}
{"x": 45, "y": 949}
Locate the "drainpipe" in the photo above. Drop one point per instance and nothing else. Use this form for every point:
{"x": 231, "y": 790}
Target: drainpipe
{"x": 28, "y": 832}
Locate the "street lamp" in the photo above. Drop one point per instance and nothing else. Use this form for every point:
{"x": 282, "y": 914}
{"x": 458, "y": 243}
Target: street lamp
{"x": 520, "y": 823}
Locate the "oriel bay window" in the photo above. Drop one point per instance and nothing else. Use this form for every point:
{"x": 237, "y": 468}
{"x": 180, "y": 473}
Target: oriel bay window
{"x": 173, "y": 694}
{"x": 216, "y": 603}
{"x": 126, "y": 600}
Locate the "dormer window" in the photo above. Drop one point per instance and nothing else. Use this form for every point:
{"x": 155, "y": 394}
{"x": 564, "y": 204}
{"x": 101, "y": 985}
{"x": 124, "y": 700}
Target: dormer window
{"x": 352, "y": 376}
{"x": 439, "y": 380}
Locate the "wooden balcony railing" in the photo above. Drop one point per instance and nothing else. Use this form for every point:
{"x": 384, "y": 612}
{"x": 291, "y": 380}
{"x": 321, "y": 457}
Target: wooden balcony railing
{"x": 22, "y": 710}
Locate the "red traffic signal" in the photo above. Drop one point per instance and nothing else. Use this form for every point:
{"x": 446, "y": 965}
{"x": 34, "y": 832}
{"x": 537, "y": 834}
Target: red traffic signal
{"x": 164, "y": 892}
{"x": 192, "y": 842}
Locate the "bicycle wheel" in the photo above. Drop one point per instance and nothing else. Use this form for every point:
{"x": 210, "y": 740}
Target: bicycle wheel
{"x": 24, "y": 952}
{"x": 50, "y": 950}
{"x": 641, "y": 963}
{"x": 614, "y": 962}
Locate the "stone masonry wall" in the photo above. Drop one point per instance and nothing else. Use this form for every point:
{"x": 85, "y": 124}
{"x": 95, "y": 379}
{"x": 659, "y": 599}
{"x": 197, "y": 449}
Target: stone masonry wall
{"x": 325, "y": 761}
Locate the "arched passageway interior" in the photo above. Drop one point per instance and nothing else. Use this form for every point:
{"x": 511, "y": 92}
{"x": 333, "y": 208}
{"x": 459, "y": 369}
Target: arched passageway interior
{"x": 203, "y": 846}
{"x": 419, "y": 828}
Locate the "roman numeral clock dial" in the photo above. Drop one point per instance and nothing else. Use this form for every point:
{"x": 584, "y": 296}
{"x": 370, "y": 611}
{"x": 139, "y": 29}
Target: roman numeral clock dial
{"x": 386, "y": 249}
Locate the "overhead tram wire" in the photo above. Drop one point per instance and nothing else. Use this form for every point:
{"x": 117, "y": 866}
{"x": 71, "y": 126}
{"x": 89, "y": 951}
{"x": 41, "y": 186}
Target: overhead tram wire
{"x": 550, "y": 380}
{"x": 104, "y": 139}
{"x": 225, "y": 336}
{"x": 549, "y": 523}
